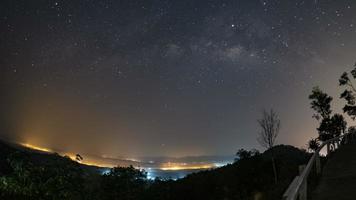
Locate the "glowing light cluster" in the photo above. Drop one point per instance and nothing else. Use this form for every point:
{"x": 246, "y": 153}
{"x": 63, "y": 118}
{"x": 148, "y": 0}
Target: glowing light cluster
{"x": 36, "y": 147}
{"x": 132, "y": 159}
{"x": 185, "y": 166}
{"x": 72, "y": 156}
{"x": 169, "y": 166}
{"x": 86, "y": 161}
{"x": 93, "y": 163}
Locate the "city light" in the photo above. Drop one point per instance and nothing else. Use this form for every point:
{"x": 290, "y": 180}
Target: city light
{"x": 106, "y": 161}
{"x": 36, "y": 147}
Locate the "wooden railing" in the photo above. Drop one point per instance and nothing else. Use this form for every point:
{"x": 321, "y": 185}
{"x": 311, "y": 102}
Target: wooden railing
{"x": 298, "y": 189}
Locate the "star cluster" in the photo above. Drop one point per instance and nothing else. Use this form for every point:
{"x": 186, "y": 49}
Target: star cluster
{"x": 164, "y": 77}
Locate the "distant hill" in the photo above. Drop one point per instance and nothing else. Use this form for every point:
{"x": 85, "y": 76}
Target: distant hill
{"x": 36, "y": 157}
{"x": 31, "y": 174}
{"x": 250, "y": 178}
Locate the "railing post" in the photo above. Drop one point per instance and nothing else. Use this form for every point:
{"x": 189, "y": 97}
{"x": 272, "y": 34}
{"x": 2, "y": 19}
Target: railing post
{"x": 303, "y": 191}
{"x": 303, "y": 188}
{"x": 317, "y": 164}
{"x": 346, "y": 139}
{"x": 298, "y": 188}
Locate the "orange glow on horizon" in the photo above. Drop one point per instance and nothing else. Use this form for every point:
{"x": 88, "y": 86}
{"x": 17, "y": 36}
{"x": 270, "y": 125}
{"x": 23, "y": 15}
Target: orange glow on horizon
{"x": 87, "y": 161}
{"x": 184, "y": 166}
{"x": 72, "y": 156}
{"x": 36, "y": 147}
{"x": 101, "y": 162}
{"x": 188, "y": 167}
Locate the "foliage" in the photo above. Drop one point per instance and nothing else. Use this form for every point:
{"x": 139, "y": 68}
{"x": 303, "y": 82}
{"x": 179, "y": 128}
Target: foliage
{"x": 78, "y": 158}
{"x": 330, "y": 126}
{"x": 60, "y": 179}
{"x": 352, "y": 129}
{"x": 31, "y": 175}
{"x": 245, "y": 154}
{"x": 320, "y": 103}
{"x": 349, "y": 93}
{"x": 250, "y": 178}
{"x": 124, "y": 183}
{"x": 313, "y": 144}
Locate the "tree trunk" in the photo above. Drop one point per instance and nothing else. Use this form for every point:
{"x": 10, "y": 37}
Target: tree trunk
{"x": 274, "y": 170}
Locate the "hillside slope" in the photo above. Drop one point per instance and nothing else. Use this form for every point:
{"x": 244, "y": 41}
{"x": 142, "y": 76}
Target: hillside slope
{"x": 250, "y": 178}
{"x": 28, "y": 174}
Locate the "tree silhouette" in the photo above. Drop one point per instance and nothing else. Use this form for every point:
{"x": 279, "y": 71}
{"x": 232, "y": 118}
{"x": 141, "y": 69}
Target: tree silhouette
{"x": 59, "y": 178}
{"x": 78, "y": 158}
{"x": 270, "y": 125}
{"x": 33, "y": 175}
{"x": 313, "y": 144}
{"x": 349, "y": 93}
{"x": 245, "y": 154}
{"x": 330, "y": 126}
{"x": 126, "y": 183}
{"x": 320, "y": 103}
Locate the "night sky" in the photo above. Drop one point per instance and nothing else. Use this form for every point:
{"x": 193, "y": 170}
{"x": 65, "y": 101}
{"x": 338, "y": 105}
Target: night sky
{"x": 167, "y": 78}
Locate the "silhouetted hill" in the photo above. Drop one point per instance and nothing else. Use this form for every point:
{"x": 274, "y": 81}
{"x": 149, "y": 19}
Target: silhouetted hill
{"x": 36, "y": 157}
{"x": 30, "y": 174}
{"x": 250, "y": 178}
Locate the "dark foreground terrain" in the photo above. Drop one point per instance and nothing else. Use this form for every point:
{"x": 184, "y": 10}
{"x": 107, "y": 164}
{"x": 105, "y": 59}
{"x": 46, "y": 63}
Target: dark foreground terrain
{"x": 338, "y": 179}
{"x": 28, "y": 174}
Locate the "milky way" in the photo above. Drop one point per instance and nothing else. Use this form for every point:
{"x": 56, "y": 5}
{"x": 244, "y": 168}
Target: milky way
{"x": 174, "y": 78}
